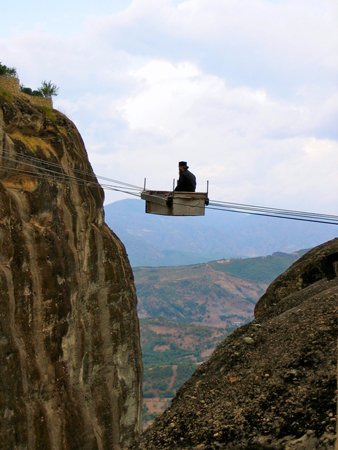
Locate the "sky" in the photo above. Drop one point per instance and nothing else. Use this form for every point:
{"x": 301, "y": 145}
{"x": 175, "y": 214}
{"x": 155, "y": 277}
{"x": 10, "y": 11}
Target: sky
{"x": 245, "y": 91}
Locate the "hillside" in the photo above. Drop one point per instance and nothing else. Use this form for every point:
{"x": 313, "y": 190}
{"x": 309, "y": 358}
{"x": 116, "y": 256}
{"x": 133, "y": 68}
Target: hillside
{"x": 171, "y": 352}
{"x": 171, "y": 349}
{"x": 166, "y": 342}
{"x": 272, "y": 384}
{"x": 219, "y": 293}
{"x": 156, "y": 241}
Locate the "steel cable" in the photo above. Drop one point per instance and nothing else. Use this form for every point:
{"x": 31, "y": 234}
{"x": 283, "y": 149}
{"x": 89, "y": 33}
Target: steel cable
{"x": 127, "y": 188}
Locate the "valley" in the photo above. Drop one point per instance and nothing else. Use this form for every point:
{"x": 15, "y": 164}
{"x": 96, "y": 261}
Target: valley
{"x": 186, "y": 311}
{"x": 171, "y": 353}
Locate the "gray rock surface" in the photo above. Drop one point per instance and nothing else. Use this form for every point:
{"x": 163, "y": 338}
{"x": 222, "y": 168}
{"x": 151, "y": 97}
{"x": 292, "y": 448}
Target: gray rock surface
{"x": 71, "y": 369}
{"x": 318, "y": 265}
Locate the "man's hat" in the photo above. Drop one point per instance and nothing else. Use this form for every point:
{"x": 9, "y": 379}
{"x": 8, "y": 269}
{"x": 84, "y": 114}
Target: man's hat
{"x": 182, "y": 164}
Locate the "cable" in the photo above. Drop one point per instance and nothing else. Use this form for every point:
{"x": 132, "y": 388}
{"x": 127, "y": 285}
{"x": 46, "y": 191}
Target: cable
{"x": 119, "y": 186}
{"x": 268, "y": 209}
{"x": 277, "y": 213}
{"x": 49, "y": 163}
{"x": 69, "y": 180}
{"x": 304, "y": 219}
{"x": 56, "y": 165}
{"x": 64, "y": 177}
{"x": 56, "y": 175}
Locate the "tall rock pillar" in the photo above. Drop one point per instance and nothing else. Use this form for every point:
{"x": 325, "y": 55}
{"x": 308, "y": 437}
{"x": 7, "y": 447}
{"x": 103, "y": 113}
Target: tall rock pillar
{"x": 70, "y": 356}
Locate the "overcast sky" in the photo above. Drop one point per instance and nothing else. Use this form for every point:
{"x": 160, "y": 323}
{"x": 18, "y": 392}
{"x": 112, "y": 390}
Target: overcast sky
{"x": 244, "y": 90}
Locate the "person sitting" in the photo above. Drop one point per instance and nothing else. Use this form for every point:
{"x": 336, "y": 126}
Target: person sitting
{"x": 187, "y": 180}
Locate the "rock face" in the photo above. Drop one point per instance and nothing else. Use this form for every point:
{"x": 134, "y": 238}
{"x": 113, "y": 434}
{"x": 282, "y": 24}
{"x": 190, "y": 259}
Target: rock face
{"x": 272, "y": 384}
{"x": 71, "y": 369}
{"x": 319, "y": 264}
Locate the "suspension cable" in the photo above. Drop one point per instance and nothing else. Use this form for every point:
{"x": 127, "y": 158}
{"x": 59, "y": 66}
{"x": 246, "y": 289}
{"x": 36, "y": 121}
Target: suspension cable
{"x": 59, "y": 176}
{"x": 60, "y": 166}
{"x": 130, "y": 189}
{"x": 265, "y": 209}
{"x": 334, "y": 221}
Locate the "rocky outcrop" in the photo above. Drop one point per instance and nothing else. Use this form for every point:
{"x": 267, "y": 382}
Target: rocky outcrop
{"x": 272, "y": 384}
{"x": 71, "y": 369}
{"x": 10, "y": 87}
{"x": 318, "y": 265}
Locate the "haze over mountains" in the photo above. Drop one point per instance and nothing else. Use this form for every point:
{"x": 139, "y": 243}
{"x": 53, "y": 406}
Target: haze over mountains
{"x": 155, "y": 241}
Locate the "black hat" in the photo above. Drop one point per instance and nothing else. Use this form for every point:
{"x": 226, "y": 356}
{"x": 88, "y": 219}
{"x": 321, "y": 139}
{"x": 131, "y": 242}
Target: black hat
{"x": 182, "y": 164}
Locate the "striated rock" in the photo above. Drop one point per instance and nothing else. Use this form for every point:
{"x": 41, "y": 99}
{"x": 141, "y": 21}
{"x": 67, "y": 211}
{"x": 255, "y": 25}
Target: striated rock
{"x": 71, "y": 368}
{"x": 318, "y": 265}
{"x": 279, "y": 392}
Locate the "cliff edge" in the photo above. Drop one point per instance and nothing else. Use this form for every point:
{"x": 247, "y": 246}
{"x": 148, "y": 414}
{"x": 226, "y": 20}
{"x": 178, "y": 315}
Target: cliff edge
{"x": 71, "y": 369}
{"x": 272, "y": 384}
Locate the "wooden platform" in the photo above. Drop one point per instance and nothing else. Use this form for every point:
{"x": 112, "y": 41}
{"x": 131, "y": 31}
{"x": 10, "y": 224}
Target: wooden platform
{"x": 175, "y": 203}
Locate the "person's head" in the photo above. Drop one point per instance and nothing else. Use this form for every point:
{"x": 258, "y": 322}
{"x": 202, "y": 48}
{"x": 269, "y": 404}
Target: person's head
{"x": 182, "y": 166}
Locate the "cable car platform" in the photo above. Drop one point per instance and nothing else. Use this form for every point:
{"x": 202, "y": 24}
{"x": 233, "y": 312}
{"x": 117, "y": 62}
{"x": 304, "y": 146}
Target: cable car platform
{"x": 175, "y": 203}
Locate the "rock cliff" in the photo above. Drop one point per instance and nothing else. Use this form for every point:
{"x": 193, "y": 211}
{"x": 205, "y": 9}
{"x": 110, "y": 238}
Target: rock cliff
{"x": 272, "y": 384}
{"x": 71, "y": 369}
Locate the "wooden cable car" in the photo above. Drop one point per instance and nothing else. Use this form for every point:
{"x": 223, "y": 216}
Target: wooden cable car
{"x": 175, "y": 203}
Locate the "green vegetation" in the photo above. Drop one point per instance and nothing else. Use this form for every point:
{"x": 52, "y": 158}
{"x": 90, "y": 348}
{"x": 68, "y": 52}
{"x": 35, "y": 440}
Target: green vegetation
{"x": 225, "y": 317}
{"x": 148, "y": 394}
{"x": 146, "y": 416}
{"x": 196, "y": 293}
{"x": 8, "y": 71}
{"x": 176, "y": 298}
{"x": 29, "y": 91}
{"x": 30, "y": 142}
{"x": 177, "y": 342}
{"x": 6, "y": 95}
{"x": 156, "y": 378}
{"x": 184, "y": 372}
{"x": 47, "y": 89}
{"x": 263, "y": 269}
{"x": 182, "y": 300}
{"x": 49, "y": 113}
{"x": 171, "y": 354}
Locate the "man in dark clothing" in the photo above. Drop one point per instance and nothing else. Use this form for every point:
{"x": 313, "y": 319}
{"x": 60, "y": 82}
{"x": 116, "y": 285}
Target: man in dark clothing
{"x": 187, "y": 180}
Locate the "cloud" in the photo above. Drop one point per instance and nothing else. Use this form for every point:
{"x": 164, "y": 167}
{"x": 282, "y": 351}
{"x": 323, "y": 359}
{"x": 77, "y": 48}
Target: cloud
{"x": 250, "y": 146}
{"x": 249, "y": 41}
{"x": 240, "y": 89}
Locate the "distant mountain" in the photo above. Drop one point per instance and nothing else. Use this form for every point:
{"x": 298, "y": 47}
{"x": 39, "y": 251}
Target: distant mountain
{"x": 219, "y": 293}
{"x": 153, "y": 240}
{"x": 262, "y": 269}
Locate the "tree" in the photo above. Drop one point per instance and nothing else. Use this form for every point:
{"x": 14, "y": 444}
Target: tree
{"x": 8, "y": 71}
{"x": 48, "y": 89}
{"x": 29, "y": 91}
